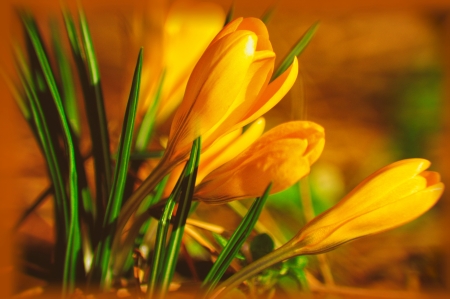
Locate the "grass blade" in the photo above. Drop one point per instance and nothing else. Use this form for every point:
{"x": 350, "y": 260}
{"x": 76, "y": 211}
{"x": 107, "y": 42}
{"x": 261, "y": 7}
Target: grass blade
{"x": 73, "y": 262}
{"x": 146, "y": 128}
{"x": 235, "y": 243}
{"x": 94, "y": 111}
{"x": 67, "y": 83}
{"x": 39, "y": 200}
{"x": 296, "y": 50}
{"x": 101, "y": 149}
{"x": 230, "y": 14}
{"x": 187, "y": 191}
{"x": 268, "y": 14}
{"x": 61, "y": 209}
{"x": 102, "y": 258}
{"x": 159, "y": 248}
{"x": 161, "y": 236}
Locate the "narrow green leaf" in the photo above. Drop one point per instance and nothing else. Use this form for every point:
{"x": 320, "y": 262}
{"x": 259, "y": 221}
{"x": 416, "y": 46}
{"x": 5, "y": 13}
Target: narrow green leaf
{"x": 102, "y": 258}
{"x": 223, "y": 242}
{"x": 94, "y": 107}
{"x": 230, "y": 14}
{"x": 43, "y": 132}
{"x": 159, "y": 248}
{"x": 136, "y": 232}
{"x": 37, "y": 202}
{"x": 296, "y": 50}
{"x": 102, "y": 151}
{"x": 268, "y": 14}
{"x": 187, "y": 192}
{"x": 161, "y": 236}
{"x": 68, "y": 97}
{"x": 235, "y": 243}
{"x": 34, "y": 74}
{"x": 67, "y": 83}
{"x": 146, "y": 128}
{"x": 73, "y": 263}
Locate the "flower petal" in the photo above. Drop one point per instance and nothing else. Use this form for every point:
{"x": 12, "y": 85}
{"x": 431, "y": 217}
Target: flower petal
{"x": 274, "y": 92}
{"x": 277, "y": 157}
{"x": 229, "y": 28}
{"x": 382, "y": 183}
{"x": 213, "y": 158}
{"x": 318, "y": 237}
{"x": 257, "y": 78}
{"x": 219, "y": 74}
{"x": 277, "y": 165}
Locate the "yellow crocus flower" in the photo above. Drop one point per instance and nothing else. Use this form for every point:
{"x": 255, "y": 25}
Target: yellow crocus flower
{"x": 282, "y": 156}
{"x": 229, "y": 87}
{"x": 392, "y": 196}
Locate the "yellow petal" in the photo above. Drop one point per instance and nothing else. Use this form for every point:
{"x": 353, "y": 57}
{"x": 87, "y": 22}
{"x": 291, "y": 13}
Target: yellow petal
{"x": 388, "y": 198}
{"x": 217, "y": 155}
{"x": 320, "y": 239}
{"x": 277, "y": 165}
{"x": 277, "y": 157}
{"x": 274, "y": 92}
{"x": 229, "y": 28}
{"x": 218, "y": 75}
{"x": 432, "y": 177}
{"x": 257, "y": 77}
{"x": 255, "y": 25}
{"x": 381, "y": 183}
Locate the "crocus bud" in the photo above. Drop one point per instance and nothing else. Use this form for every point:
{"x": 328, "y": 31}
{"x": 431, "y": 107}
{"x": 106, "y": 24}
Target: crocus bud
{"x": 392, "y": 196}
{"x": 282, "y": 156}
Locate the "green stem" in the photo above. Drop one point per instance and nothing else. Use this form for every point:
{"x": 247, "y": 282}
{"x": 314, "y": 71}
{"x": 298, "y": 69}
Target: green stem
{"x": 283, "y": 253}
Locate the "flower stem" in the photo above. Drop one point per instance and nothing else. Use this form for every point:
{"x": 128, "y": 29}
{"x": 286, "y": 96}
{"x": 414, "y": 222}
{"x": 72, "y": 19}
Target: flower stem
{"x": 281, "y": 254}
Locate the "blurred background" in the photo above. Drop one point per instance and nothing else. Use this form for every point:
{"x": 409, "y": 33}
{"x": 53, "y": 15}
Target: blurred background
{"x": 375, "y": 76}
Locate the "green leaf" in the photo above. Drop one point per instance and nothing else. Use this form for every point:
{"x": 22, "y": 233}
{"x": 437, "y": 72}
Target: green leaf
{"x": 146, "y": 128}
{"x": 296, "y": 50}
{"x": 67, "y": 83}
{"x": 73, "y": 263}
{"x": 268, "y": 14}
{"x": 102, "y": 258}
{"x": 187, "y": 192}
{"x": 93, "y": 101}
{"x": 37, "y": 202}
{"x": 61, "y": 209}
{"x": 230, "y": 14}
{"x": 235, "y": 243}
{"x": 261, "y": 245}
{"x": 223, "y": 242}
{"x": 161, "y": 236}
{"x": 101, "y": 135}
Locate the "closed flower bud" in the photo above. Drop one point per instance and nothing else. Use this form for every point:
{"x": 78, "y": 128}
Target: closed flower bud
{"x": 392, "y": 196}
{"x": 229, "y": 87}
